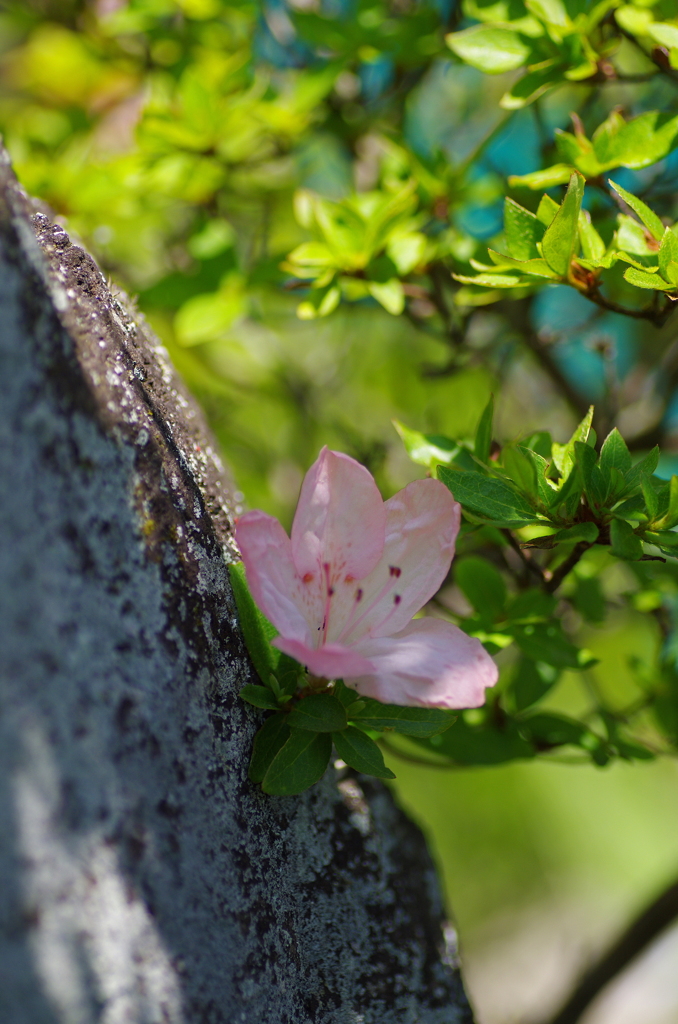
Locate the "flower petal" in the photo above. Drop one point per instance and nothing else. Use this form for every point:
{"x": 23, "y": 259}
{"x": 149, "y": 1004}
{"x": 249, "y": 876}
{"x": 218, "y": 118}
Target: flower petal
{"x": 276, "y": 588}
{"x": 422, "y": 523}
{"x": 431, "y": 663}
{"x": 331, "y": 661}
{"x": 339, "y": 521}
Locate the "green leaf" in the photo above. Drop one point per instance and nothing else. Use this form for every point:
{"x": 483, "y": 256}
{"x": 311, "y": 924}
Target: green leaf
{"x": 488, "y": 497}
{"x": 491, "y": 280}
{"x": 614, "y": 454}
{"x": 300, "y": 763}
{"x": 589, "y": 599}
{"x": 530, "y": 87}
{"x": 670, "y": 519}
{"x": 546, "y": 642}
{"x": 592, "y": 245}
{"x": 668, "y": 254}
{"x": 587, "y": 532}
{"x": 556, "y": 730}
{"x": 523, "y": 467}
{"x": 490, "y": 48}
{"x": 420, "y": 722}
{"x": 646, "y": 466}
{"x": 260, "y": 697}
{"x": 531, "y": 682}
{"x": 483, "y": 439}
{"x": 257, "y": 630}
{"x": 595, "y": 484}
{"x": 481, "y": 744}
{"x": 560, "y": 237}
{"x": 548, "y": 208}
{"x": 426, "y": 449}
{"x": 522, "y": 230}
{"x": 650, "y": 496}
{"x": 535, "y": 267}
{"x": 646, "y": 215}
{"x": 390, "y": 295}
{"x": 563, "y": 454}
{"x": 637, "y": 143}
{"x": 641, "y": 279}
{"x": 320, "y": 712}
{"x": 361, "y": 752}
{"x": 624, "y": 543}
{"x": 558, "y": 174}
{"x": 273, "y": 734}
{"x": 665, "y": 540}
{"x": 483, "y": 585}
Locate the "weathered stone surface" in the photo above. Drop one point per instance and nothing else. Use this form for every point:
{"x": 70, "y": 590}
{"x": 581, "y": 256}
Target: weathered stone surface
{"x": 144, "y": 879}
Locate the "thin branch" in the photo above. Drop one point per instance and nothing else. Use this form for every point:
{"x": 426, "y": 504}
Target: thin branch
{"x": 566, "y": 567}
{"x": 527, "y": 559}
{"x": 651, "y": 313}
{"x": 644, "y": 930}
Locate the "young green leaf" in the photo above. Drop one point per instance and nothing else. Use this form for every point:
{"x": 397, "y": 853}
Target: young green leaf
{"x": 260, "y": 697}
{"x": 492, "y": 49}
{"x": 646, "y": 466}
{"x": 668, "y": 254}
{"x": 257, "y": 630}
{"x": 319, "y": 712}
{"x": 521, "y": 466}
{"x": 624, "y": 542}
{"x": 488, "y": 497}
{"x": 273, "y": 734}
{"x": 563, "y": 454}
{"x": 592, "y": 245}
{"x": 646, "y": 215}
{"x": 587, "y": 532}
{"x": 361, "y": 752}
{"x": 409, "y": 721}
{"x": 614, "y": 454}
{"x": 426, "y": 449}
{"x": 300, "y": 763}
{"x": 483, "y": 440}
{"x": 595, "y": 484}
{"x": 644, "y": 279}
{"x": 650, "y": 495}
{"x": 522, "y": 230}
{"x": 560, "y": 237}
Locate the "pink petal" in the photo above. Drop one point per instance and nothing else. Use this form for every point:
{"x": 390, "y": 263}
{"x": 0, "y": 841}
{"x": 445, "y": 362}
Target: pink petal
{"x": 276, "y": 588}
{"x": 422, "y": 522}
{"x": 431, "y": 663}
{"x": 339, "y": 521}
{"x": 331, "y": 661}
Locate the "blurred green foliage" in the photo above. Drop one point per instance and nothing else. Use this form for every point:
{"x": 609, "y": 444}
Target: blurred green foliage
{"x": 300, "y": 195}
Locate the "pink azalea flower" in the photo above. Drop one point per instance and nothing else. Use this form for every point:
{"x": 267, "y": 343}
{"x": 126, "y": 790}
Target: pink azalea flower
{"x": 343, "y": 589}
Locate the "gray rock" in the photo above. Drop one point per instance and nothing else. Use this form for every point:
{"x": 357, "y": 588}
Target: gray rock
{"x": 144, "y": 879}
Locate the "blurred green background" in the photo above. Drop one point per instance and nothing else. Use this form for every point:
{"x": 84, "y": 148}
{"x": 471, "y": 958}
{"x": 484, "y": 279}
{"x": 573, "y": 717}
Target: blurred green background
{"x": 171, "y": 136}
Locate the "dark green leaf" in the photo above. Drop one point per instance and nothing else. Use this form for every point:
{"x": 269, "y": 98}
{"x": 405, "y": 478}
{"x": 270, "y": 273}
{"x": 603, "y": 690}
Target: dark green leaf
{"x": 260, "y": 697}
{"x": 646, "y": 465}
{"x": 273, "y": 734}
{"x": 594, "y": 483}
{"x": 588, "y": 599}
{"x": 298, "y": 764}
{"x": 532, "y": 604}
{"x": 579, "y": 532}
{"x": 488, "y": 497}
{"x": 521, "y": 466}
{"x": 409, "y": 721}
{"x": 483, "y": 585}
{"x": 555, "y": 730}
{"x": 564, "y": 454}
{"x": 483, "y": 439}
{"x": 546, "y": 642}
{"x": 531, "y": 682}
{"x": 624, "y": 542}
{"x": 560, "y": 237}
{"x": 650, "y": 496}
{"x": 540, "y": 443}
{"x": 361, "y": 753}
{"x": 482, "y": 744}
{"x": 320, "y": 712}
{"x": 615, "y": 454}
{"x": 568, "y": 499}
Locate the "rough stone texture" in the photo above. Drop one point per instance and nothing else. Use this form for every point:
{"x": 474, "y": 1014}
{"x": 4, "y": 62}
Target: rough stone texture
{"x": 144, "y": 879}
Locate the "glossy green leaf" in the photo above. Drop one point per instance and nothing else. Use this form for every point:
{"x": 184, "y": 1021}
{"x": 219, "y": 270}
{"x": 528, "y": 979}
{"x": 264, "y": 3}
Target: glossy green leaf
{"x": 646, "y": 466}
{"x": 483, "y": 438}
{"x": 361, "y": 752}
{"x": 595, "y": 483}
{"x": 272, "y": 736}
{"x": 483, "y": 585}
{"x": 488, "y": 497}
{"x": 409, "y": 721}
{"x": 319, "y": 712}
{"x": 536, "y": 267}
{"x": 639, "y": 142}
{"x": 558, "y": 174}
{"x": 615, "y": 454}
{"x": 490, "y": 48}
{"x": 592, "y": 245}
{"x": 624, "y": 543}
{"x": 560, "y": 237}
{"x": 564, "y": 454}
{"x": 523, "y": 467}
{"x": 642, "y": 279}
{"x": 650, "y": 496}
{"x": 668, "y": 254}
